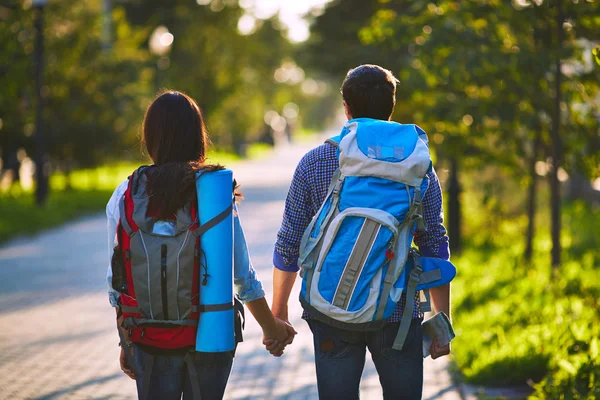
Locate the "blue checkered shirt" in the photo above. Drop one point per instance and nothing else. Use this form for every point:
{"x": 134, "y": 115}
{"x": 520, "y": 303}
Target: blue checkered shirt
{"x": 308, "y": 191}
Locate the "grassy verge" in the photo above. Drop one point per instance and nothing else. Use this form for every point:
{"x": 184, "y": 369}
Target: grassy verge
{"x": 21, "y": 216}
{"x": 519, "y": 323}
{"x": 304, "y": 135}
{"x": 89, "y": 192}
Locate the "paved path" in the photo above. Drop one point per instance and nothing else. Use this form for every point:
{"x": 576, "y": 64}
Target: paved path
{"x": 58, "y": 339}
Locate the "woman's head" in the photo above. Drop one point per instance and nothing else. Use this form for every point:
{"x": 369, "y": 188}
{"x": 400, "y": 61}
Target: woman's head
{"x": 176, "y": 141}
{"x": 174, "y": 131}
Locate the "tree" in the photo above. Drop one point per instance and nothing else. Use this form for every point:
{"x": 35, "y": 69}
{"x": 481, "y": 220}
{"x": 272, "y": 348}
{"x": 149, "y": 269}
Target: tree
{"x": 478, "y": 69}
{"x": 93, "y": 98}
{"x": 230, "y": 74}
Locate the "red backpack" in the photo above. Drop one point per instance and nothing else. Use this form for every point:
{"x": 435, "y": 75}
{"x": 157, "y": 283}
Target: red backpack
{"x": 156, "y": 269}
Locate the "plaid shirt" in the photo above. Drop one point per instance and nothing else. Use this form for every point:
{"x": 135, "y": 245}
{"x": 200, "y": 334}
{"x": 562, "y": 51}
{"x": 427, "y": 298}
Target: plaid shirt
{"x": 308, "y": 191}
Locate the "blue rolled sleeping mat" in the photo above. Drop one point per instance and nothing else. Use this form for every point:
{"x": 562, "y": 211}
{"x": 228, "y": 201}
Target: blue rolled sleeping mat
{"x": 216, "y": 331}
{"x": 436, "y": 272}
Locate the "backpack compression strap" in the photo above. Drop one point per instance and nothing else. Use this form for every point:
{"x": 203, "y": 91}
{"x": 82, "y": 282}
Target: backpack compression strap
{"x": 193, "y": 373}
{"x": 147, "y": 376}
{"x": 413, "y": 281}
{"x": 202, "y": 229}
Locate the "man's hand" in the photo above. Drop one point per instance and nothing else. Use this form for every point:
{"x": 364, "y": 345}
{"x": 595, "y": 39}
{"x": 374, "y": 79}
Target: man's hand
{"x": 276, "y": 342}
{"x": 125, "y": 365}
{"x": 438, "y": 351}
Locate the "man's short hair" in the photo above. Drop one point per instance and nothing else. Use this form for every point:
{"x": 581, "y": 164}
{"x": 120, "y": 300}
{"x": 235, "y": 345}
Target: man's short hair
{"x": 370, "y": 92}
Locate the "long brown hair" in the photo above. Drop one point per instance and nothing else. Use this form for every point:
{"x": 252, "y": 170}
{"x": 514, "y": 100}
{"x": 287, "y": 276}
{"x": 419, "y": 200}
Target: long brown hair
{"x": 176, "y": 140}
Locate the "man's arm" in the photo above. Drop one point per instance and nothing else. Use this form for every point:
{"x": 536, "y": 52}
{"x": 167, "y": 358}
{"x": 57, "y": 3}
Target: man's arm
{"x": 277, "y": 332}
{"x": 434, "y": 243}
{"x": 296, "y": 217}
{"x": 283, "y": 282}
{"x": 440, "y": 297}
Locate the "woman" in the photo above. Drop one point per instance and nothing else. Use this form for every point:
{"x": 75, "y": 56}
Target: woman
{"x": 176, "y": 140}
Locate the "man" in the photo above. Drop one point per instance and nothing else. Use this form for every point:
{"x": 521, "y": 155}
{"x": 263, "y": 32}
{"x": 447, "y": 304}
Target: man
{"x": 368, "y": 91}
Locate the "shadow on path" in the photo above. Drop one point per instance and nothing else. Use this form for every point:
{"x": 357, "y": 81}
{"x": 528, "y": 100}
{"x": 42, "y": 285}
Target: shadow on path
{"x": 440, "y": 394}
{"x": 73, "y": 388}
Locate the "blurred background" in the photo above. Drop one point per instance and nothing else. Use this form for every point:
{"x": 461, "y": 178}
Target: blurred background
{"x": 508, "y": 92}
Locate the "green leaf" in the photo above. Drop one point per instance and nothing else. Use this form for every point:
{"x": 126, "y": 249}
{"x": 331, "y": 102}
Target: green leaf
{"x": 567, "y": 366}
{"x": 596, "y": 53}
{"x": 594, "y": 348}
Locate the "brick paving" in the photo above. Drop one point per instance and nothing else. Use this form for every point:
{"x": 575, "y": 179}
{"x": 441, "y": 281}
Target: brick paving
{"x": 58, "y": 339}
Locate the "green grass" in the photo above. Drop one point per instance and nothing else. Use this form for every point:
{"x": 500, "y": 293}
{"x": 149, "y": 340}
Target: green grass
{"x": 107, "y": 177}
{"x": 89, "y": 192}
{"x": 518, "y": 323}
{"x": 304, "y": 135}
{"x": 21, "y": 216}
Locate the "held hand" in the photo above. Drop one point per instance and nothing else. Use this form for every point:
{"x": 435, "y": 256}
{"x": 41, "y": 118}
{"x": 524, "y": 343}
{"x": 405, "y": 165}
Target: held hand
{"x": 291, "y": 332}
{"x": 438, "y": 351}
{"x": 283, "y": 335}
{"x": 273, "y": 347}
{"x": 124, "y": 365}
{"x": 273, "y": 338}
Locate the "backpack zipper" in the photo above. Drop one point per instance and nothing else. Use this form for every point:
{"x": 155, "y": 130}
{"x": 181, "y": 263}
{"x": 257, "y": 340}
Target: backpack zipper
{"x": 163, "y": 280}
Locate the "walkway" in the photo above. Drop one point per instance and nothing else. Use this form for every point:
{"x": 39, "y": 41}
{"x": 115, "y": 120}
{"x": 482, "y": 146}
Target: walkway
{"x": 58, "y": 339}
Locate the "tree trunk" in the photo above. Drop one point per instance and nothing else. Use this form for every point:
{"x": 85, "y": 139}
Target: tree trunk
{"x": 454, "y": 215}
{"x": 556, "y": 146}
{"x": 41, "y": 170}
{"x": 532, "y": 198}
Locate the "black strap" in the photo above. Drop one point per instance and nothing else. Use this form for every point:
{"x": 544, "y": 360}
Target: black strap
{"x": 215, "y": 307}
{"x": 240, "y": 321}
{"x": 332, "y": 142}
{"x": 147, "y": 377}
{"x": 202, "y": 229}
{"x": 193, "y": 373}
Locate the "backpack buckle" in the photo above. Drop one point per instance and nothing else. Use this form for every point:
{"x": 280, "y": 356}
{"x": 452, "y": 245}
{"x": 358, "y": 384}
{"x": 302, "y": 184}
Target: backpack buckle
{"x": 338, "y": 187}
{"x": 389, "y": 254}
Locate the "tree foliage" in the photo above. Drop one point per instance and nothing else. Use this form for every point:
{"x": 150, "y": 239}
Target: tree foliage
{"x": 96, "y": 88}
{"x": 480, "y": 77}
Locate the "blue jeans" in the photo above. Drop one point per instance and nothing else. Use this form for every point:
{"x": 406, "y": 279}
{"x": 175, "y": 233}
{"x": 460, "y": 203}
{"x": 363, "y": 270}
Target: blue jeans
{"x": 170, "y": 378}
{"x": 340, "y": 359}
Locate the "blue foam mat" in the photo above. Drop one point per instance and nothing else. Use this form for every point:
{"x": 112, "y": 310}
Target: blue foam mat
{"x": 216, "y": 328}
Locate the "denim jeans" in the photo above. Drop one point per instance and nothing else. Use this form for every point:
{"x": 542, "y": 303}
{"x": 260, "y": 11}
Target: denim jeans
{"x": 340, "y": 359}
{"x": 170, "y": 378}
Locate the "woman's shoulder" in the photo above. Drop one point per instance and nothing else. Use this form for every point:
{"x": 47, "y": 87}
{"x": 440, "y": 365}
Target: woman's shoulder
{"x": 112, "y": 208}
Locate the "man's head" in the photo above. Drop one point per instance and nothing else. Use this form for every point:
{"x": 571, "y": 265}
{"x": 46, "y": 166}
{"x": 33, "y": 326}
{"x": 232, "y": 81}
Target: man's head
{"x": 369, "y": 91}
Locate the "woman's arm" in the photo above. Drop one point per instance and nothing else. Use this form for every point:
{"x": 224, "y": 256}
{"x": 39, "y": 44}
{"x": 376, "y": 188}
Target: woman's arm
{"x": 112, "y": 220}
{"x": 249, "y": 290}
{"x": 112, "y": 217}
{"x": 273, "y": 328}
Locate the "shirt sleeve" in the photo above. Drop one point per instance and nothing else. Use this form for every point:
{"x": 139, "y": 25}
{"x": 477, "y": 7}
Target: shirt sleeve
{"x": 296, "y": 218}
{"x": 434, "y": 241}
{"x": 112, "y": 217}
{"x": 247, "y": 285}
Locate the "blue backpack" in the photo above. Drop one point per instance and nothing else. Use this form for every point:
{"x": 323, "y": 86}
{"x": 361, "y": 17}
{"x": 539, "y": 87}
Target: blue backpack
{"x": 354, "y": 252}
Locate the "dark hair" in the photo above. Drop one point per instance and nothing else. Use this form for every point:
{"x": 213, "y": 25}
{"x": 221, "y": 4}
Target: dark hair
{"x": 370, "y": 92}
{"x": 176, "y": 140}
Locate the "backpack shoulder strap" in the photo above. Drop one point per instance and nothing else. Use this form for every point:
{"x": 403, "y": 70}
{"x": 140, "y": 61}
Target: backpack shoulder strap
{"x": 334, "y": 141}
{"x": 124, "y": 209}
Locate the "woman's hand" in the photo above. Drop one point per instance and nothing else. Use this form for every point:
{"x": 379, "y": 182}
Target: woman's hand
{"x": 282, "y": 335}
{"x": 125, "y": 365}
{"x": 276, "y": 332}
